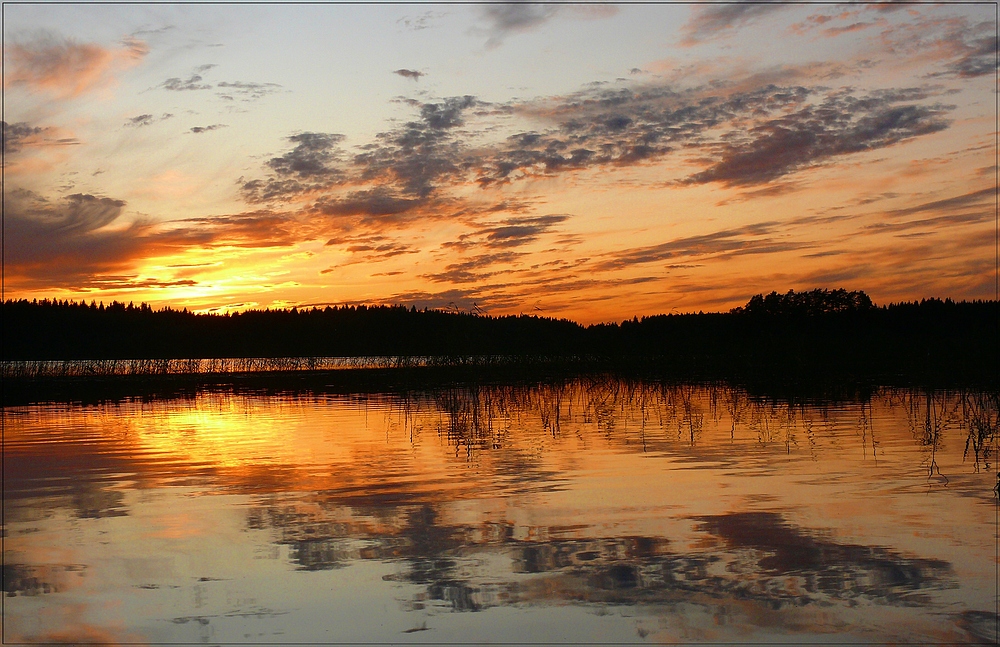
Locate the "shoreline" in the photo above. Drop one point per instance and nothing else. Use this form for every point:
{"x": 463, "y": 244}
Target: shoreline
{"x": 399, "y": 374}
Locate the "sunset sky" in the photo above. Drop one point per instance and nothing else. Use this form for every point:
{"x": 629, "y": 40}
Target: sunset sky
{"x": 594, "y": 162}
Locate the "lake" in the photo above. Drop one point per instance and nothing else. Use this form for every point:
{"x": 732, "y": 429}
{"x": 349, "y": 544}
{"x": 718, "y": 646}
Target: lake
{"x": 592, "y": 509}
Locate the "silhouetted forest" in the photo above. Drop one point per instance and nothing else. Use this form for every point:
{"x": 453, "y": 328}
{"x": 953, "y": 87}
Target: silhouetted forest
{"x": 806, "y": 333}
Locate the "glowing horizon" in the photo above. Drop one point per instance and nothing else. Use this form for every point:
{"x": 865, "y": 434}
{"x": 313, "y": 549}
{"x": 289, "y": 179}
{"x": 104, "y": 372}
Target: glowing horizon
{"x": 585, "y": 162}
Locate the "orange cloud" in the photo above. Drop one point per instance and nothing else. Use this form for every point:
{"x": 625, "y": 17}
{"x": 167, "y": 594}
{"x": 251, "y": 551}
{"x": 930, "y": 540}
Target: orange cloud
{"x": 66, "y": 68}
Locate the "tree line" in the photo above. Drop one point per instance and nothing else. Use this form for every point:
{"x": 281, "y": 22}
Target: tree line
{"x": 799, "y": 332}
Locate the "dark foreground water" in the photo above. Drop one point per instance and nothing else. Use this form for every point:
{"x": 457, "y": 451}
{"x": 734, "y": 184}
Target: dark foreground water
{"x": 595, "y": 510}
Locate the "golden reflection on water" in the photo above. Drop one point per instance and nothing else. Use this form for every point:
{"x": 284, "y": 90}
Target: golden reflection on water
{"x": 594, "y": 510}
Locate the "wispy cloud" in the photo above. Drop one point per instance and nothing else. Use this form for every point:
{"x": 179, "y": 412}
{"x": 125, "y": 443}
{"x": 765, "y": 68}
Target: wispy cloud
{"x": 69, "y": 243}
{"x": 751, "y": 239}
{"x": 175, "y": 84}
{"x": 716, "y": 20}
{"x": 64, "y": 67}
{"x": 371, "y": 248}
{"x": 193, "y": 82}
{"x": 255, "y": 229}
{"x": 510, "y": 232}
{"x": 421, "y": 21}
{"x": 247, "y": 91}
{"x": 475, "y": 269}
{"x": 926, "y": 224}
{"x": 146, "y": 120}
{"x": 983, "y": 198}
{"x": 504, "y": 19}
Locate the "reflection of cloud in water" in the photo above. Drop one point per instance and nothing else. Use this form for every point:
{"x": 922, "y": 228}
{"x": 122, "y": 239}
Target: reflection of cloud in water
{"x": 25, "y": 579}
{"x": 981, "y": 626}
{"x": 756, "y": 558}
{"x": 478, "y": 495}
{"x": 825, "y": 567}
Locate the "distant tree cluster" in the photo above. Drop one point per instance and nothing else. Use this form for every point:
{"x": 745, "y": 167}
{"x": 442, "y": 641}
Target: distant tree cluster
{"x": 798, "y": 333}
{"x": 812, "y": 303}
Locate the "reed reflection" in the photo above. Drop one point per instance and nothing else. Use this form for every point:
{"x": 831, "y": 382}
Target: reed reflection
{"x": 688, "y": 501}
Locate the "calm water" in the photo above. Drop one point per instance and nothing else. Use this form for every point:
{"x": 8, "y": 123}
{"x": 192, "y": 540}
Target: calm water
{"x": 596, "y": 510}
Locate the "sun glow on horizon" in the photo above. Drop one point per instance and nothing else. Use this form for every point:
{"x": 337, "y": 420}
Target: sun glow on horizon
{"x": 685, "y": 172}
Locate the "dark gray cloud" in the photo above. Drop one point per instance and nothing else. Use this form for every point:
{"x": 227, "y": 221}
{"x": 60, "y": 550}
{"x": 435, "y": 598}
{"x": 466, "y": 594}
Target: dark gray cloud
{"x": 978, "y": 58}
{"x": 757, "y": 138}
{"x": 275, "y": 189}
{"x": 841, "y": 570}
{"x": 771, "y": 131}
{"x": 409, "y": 74}
{"x": 419, "y": 155}
{"x": 368, "y": 205}
{"x": 443, "y": 115}
{"x": 506, "y": 18}
{"x": 314, "y": 164}
{"x": 16, "y": 135}
{"x": 205, "y": 129}
{"x": 193, "y": 82}
{"x": 841, "y": 125}
{"x": 714, "y": 20}
{"x": 311, "y": 157}
{"x": 625, "y": 126}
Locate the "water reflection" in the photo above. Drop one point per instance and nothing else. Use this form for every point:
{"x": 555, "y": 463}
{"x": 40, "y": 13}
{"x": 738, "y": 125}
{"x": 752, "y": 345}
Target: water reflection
{"x": 622, "y": 510}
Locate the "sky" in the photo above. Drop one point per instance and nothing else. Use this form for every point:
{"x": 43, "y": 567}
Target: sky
{"x": 595, "y": 161}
